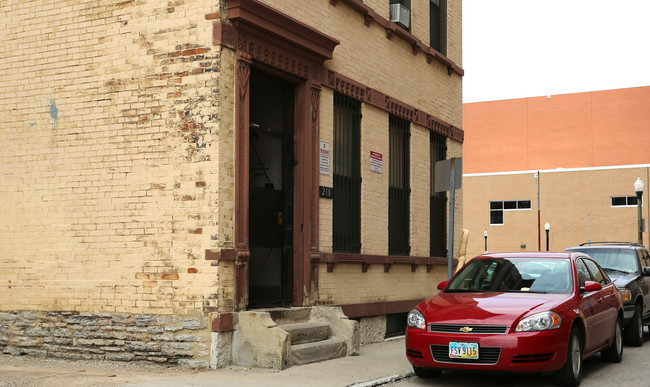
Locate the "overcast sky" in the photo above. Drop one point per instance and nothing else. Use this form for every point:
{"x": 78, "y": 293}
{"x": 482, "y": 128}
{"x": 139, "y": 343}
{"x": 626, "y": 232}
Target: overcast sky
{"x": 530, "y": 48}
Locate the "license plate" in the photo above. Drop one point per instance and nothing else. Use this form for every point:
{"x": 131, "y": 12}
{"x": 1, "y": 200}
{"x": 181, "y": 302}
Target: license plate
{"x": 461, "y": 350}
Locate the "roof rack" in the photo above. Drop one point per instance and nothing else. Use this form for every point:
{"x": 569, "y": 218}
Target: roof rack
{"x": 611, "y": 243}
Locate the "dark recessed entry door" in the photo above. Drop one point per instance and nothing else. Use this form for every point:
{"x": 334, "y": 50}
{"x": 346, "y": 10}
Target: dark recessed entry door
{"x": 271, "y": 191}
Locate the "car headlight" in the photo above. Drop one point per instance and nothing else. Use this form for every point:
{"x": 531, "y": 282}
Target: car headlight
{"x": 415, "y": 319}
{"x": 626, "y": 295}
{"x": 539, "y": 322}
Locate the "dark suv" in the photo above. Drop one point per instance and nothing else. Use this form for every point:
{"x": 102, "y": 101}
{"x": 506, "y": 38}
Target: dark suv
{"x": 628, "y": 265}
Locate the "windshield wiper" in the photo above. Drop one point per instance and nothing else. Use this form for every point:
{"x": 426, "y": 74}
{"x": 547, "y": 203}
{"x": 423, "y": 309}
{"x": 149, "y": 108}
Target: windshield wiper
{"x": 525, "y": 291}
{"x": 464, "y": 291}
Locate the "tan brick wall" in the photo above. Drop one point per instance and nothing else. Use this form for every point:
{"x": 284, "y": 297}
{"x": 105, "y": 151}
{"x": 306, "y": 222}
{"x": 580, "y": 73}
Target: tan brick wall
{"x": 576, "y": 204}
{"x": 420, "y": 190}
{"x": 326, "y": 133}
{"x": 374, "y": 186}
{"x": 110, "y": 206}
{"x": 348, "y": 285}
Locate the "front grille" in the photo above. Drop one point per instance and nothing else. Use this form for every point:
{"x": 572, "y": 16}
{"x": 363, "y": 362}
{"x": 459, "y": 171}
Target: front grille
{"x": 486, "y": 355}
{"x": 473, "y": 329}
{"x": 532, "y": 358}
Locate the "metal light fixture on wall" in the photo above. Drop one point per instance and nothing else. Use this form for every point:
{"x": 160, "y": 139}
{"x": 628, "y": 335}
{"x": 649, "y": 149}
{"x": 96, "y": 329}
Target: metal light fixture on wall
{"x": 638, "y": 188}
{"x": 547, "y": 227}
{"x": 485, "y": 235}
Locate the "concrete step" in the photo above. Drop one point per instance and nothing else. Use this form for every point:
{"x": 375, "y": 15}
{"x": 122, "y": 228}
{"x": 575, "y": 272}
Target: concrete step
{"x": 318, "y": 351}
{"x": 307, "y": 332}
{"x": 289, "y": 315}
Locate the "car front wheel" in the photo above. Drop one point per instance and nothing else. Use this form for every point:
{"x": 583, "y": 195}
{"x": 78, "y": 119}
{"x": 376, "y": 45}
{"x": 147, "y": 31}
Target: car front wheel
{"x": 571, "y": 374}
{"x": 634, "y": 330}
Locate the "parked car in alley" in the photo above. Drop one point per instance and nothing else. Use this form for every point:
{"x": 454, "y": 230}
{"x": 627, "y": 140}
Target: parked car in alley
{"x": 518, "y": 312}
{"x": 628, "y": 266}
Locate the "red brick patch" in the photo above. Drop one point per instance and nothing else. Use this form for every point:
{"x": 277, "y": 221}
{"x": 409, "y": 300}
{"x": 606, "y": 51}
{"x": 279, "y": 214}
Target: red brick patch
{"x": 223, "y": 322}
{"x": 158, "y": 186}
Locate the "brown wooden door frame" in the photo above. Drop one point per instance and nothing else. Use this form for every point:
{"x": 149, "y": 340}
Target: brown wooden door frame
{"x": 305, "y": 204}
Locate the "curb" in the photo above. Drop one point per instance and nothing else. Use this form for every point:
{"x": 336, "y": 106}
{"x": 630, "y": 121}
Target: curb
{"x": 384, "y": 380}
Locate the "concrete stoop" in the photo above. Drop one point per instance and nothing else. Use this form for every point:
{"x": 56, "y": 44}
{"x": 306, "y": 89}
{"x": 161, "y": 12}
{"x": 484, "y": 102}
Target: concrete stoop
{"x": 281, "y": 337}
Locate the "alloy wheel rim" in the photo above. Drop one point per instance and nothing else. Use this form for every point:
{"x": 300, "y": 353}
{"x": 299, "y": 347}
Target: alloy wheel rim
{"x": 575, "y": 356}
{"x": 619, "y": 339}
{"x": 640, "y": 324}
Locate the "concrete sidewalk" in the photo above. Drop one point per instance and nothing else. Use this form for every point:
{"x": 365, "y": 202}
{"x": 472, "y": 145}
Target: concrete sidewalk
{"x": 377, "y": 364}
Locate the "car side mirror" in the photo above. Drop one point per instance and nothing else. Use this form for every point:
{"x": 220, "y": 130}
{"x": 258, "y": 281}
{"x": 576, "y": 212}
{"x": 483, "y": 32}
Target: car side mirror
{"x": 442, "y": 285}
{"x": 591, "y": 286}
{"x": 646, "y": 271}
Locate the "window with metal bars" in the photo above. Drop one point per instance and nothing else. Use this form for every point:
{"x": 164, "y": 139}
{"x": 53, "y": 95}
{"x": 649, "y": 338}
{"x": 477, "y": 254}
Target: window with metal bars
{"x": 399, "y": 187}
{"x": 438, "y": 201}
{"x": 347, "y": 175}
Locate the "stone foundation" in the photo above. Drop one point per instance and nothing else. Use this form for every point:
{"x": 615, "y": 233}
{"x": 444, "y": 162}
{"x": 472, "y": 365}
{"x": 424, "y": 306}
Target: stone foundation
{"x": 373, "y": 329}
{"x": 171, "y": 339}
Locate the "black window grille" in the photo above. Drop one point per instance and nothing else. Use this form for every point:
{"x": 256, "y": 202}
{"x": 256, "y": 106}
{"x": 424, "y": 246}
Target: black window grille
{"x": 438, "y": 201}
{"x": 347, "y": 175}
{"x": 399, "y": 187}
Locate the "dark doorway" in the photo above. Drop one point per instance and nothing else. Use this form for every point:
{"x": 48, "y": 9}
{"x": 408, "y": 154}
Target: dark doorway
{"x": 271, "y": 191}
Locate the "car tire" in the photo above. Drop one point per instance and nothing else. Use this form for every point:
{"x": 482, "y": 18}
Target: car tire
{"x": 614, "y": 354}
{"x": 571, "y": 374}
{"x": 426, "y": 373}
{"x": 633, "y": 332}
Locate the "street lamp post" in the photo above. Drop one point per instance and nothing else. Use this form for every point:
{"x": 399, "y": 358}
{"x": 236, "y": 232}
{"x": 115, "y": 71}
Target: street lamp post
{"x": 547, "y": 227}
{"x": 638, "y": 187}
{"x": 485, "y": 234}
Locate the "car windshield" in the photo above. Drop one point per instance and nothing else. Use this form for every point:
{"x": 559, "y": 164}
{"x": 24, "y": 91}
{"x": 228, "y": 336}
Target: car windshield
{"x": 614, "y": 259}
{"x": 526, "y": 275}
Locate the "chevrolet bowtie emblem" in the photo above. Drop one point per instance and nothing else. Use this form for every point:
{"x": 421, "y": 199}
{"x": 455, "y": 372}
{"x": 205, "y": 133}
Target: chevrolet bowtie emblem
{"x": 466, "y": 329}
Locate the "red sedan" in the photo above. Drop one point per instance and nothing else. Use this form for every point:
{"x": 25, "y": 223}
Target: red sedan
{"x": 519, "y": 312}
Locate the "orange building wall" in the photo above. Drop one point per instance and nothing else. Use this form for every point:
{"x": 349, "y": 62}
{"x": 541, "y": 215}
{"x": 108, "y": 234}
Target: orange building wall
{"x": 569, "y": 131}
